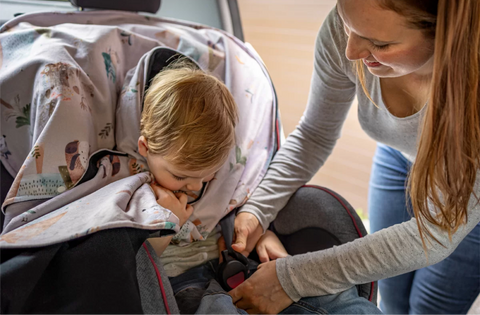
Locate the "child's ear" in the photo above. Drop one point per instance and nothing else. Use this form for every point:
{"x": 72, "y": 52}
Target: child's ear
{"x": 142, "y": 146}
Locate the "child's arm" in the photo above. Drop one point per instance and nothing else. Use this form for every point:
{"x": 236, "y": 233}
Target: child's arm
{"x": 269, "y": 247}
{"x": 177, "y": 203}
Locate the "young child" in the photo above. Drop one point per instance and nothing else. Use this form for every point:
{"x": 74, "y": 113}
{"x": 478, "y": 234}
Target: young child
{"x": 187, "y": 132}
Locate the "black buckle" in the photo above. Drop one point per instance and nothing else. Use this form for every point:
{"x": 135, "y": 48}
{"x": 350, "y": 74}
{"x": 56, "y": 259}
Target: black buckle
{"x": 233, "y": 270}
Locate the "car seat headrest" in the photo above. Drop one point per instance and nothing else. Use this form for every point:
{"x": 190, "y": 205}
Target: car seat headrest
{"x": 150, "y": 6}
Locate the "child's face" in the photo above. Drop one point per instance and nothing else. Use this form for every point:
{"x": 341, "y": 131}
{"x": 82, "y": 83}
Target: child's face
{"x": 173, "y": 177}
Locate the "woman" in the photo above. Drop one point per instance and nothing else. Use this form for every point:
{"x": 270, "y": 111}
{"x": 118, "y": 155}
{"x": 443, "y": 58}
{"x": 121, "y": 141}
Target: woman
{"x": 420, "y": 99}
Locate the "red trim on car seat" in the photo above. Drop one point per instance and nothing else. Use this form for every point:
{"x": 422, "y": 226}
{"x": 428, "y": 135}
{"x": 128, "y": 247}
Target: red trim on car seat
{"x": 343, "y": 204}
{"x": 159, "y": 278}
{"x": 372, "y": 284}
{"x": 277, "y": 127}
{"x": 353, "y": 220}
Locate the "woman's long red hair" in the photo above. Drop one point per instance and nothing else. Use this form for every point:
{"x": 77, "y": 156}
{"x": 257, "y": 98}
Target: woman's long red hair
{"x": 442, "y": 178}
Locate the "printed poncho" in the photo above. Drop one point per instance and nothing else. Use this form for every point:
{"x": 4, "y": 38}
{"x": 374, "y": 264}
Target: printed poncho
{"x": 72, "y": 91}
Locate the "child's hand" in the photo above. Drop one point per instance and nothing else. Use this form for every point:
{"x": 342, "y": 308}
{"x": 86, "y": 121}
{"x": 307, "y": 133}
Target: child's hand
{"x": 269, "y": 247}
{"x": 177, "y": 203}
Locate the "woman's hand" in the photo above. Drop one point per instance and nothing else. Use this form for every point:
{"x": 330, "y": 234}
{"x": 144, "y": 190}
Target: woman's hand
{"x": 247, "y": 233}
{"x": 262, "y": 292}
{"x": 177, "y": 203}
{"x": 269, "y": 247}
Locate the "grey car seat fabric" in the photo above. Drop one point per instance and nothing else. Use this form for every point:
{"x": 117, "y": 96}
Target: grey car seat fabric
{"x": 148, "y": 283}
{"x": 317, "y": 218}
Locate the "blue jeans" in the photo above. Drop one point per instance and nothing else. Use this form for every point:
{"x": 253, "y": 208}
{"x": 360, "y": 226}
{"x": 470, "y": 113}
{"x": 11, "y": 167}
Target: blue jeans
{"x": 197, "y": 291}
{"x": 448, "y": 287}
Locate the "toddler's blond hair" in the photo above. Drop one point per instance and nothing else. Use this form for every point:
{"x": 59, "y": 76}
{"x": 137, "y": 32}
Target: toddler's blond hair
{"x": 189, "y": 117}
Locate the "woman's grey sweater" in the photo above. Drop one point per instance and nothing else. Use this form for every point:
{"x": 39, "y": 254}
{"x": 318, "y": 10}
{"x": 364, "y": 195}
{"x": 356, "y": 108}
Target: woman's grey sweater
{"x": 386, "y": 253}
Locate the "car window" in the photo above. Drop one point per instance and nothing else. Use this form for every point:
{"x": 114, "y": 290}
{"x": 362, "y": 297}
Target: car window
{"x": 204, "y": 12}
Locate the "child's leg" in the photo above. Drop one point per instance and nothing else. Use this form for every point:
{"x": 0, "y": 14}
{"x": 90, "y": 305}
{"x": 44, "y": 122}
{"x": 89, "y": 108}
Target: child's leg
{"x": 216, "y": 301}
{"x": 190, "y": 286}
{"x": 346, "y": 302}
{"x": 197, "y": 292}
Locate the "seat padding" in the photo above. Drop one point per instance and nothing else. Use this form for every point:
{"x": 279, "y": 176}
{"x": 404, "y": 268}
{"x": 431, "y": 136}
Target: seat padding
{"x": 319, "y": 207}
{"x": 317, "y": 218}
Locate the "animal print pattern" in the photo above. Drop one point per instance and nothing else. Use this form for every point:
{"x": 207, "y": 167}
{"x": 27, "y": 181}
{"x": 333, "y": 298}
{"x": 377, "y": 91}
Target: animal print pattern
{"x": 76, "y": 156}
{"x": 3, "y": 148}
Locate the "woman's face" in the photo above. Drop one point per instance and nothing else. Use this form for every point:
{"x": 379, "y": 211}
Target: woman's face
{"x": 383, "y": 40}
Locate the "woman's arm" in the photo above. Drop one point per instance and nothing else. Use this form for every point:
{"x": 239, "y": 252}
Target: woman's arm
{"x": 307, "y": 148}
{"x": 386, "y": 253}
